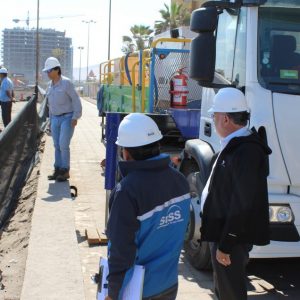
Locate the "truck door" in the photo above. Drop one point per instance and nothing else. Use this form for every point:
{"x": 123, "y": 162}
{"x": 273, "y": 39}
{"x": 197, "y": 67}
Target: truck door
{"x": 279, "y": 71}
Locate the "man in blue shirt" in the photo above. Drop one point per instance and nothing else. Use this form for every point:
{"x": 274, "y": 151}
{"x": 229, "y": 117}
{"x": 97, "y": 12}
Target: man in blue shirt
{"x": 149, "y": 213}
{"x": 6, "y": 96}
{"x": 64, "y": 109}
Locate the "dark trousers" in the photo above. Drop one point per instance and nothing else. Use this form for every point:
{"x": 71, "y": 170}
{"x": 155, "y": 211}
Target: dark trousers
{"x": 169, "y": 294}
{"x": 6, "y": 112}
{"x": 231, "y": 282}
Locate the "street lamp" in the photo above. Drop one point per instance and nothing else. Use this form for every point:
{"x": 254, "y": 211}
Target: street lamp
{"x": 80, "y": 48}
{"x": 37, "y": 48}
{"x": 109, "y": 29}
{"x": 88, "y": 47}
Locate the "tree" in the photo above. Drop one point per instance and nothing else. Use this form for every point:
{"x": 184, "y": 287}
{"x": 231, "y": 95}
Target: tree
{"x": 172, "y": 16}
{"x": 140, "y": 39}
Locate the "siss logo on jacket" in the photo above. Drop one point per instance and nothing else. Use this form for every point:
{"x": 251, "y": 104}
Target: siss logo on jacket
{"x": 172, "y": 216}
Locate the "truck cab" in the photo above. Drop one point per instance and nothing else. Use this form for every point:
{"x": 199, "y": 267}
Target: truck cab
{"x": 253, "y": 45}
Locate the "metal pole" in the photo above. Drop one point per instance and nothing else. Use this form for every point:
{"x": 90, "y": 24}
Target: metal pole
{"x": 37, "y": 48}
{"x": 108, "y": 58}
{"x": 88, "y": 49}
{"x": 109, "y": 30}
{"x": 80, "y": 48}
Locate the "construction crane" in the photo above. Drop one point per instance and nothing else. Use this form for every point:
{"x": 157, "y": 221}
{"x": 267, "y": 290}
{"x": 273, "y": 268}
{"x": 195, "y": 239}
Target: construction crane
{"x": 27, "y": 20}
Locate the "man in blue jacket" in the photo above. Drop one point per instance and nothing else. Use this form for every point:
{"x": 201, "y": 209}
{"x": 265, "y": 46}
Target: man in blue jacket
{"x": 149, "y": 212}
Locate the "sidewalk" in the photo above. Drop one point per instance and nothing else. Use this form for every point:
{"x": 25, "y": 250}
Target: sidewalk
{"x": 60, "y": 262}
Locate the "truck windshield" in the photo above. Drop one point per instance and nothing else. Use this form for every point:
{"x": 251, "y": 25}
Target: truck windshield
{"x": 279, "y": 48}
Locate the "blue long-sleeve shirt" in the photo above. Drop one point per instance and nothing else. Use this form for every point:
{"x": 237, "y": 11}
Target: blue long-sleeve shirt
{"x": 5, "y": 86}
{"x": 62, "y": 98}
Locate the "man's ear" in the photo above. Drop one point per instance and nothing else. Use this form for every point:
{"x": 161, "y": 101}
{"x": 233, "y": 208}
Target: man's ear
{"x": 126, "y": 155}
{"x": 226, "y": 119}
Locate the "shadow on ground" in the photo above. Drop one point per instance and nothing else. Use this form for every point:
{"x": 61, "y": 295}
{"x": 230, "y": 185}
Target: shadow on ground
{"x": 268, "y": 279}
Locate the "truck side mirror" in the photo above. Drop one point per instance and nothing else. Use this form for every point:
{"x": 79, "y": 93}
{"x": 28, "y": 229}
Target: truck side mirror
{"x": 203, "y": 47}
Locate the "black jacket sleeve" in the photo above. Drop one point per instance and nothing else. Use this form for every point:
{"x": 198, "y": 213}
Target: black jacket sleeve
{"x": 121, "y": 229}
{"x": 247, "y": 177}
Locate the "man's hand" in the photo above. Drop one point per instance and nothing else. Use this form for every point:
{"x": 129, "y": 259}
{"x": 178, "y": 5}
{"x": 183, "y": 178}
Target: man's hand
{"x": 223, "y": 258}
{"x": 107, "y": 298}
{"x": 74, "y": 122}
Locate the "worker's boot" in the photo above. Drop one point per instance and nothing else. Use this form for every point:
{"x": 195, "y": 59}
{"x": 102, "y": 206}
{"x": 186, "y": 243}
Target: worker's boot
{"x": 54, "y": 175}
{"x": 63, "y": 175}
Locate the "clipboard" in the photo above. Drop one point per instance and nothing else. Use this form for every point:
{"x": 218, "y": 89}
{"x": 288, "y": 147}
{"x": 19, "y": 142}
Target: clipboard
{"x": 132, "y": 291}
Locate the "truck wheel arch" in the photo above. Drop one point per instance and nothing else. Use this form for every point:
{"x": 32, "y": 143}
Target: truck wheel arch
{"x": 196, "y": 165}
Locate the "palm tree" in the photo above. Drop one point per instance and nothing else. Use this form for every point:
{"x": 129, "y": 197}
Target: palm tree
{"x": 172, "y": 16}
{"x": 140, "y": 39}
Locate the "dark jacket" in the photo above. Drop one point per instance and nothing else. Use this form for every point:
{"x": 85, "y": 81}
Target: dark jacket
{"x": 149, "y": 212}
{"x": 236, "y": 208}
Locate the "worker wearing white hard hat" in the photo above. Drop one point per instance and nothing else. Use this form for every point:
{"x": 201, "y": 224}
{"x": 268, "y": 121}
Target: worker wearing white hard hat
{"x": 149, "y": 212}
{"x": 64, "y": 110}
{"x": 3, "y": 70}
{"x": 6, "y": 96}
{"x": 229, "y": 100}
{"x": 234, "y": 201}
{"x": 51, "y": 63}
{"x": 137, "y": 130}
{"x": 229, "y": 103}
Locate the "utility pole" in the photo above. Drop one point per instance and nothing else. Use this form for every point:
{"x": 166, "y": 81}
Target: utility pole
{"x": 80, "y": 48}
{"x": 37, "y": 48}
{"x": 109, "y": 29}
{"x": 88, "y": 52}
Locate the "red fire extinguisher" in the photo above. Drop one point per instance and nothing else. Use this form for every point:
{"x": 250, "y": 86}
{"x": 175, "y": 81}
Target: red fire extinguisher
{"x": 179, "y": 89}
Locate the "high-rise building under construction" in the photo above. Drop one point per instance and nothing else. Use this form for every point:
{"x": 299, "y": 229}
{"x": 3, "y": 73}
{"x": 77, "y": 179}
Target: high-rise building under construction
{"x": 19, "y": 51}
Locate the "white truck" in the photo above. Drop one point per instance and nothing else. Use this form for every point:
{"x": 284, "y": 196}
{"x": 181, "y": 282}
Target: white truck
{"x": 253, "y": 45}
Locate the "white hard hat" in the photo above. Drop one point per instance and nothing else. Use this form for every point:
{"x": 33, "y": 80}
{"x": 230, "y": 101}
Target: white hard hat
{"x": 50, "y": 63}
{"x": 229, "y": 100}
{"x": 136, "y": 130}
{"x": 3, "y": 70}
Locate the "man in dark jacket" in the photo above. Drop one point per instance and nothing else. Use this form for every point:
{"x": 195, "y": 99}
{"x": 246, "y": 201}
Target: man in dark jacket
{"x": 149, "y": 213}
{"x": 235, "y": 214}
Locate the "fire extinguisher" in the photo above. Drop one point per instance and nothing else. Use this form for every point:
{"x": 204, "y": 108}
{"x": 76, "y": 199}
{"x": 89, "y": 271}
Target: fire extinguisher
{"x": 179, "y": 89}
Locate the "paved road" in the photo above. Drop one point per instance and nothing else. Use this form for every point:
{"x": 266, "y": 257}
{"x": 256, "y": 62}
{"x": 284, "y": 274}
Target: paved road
{"x": 268, "y": 279}
{"x": 274, "y": 279}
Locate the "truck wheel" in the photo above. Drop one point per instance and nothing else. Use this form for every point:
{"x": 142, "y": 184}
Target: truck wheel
{"x": 197, "y": 253}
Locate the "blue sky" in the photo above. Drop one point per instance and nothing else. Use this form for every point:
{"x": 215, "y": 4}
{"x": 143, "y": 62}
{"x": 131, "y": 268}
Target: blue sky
{"x": 125, "y": 13}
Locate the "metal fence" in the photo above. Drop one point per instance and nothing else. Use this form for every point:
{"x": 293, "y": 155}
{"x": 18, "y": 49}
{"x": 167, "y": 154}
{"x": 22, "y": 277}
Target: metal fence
{"x": 165, "y": 64}
{"x": 18, "y": 145}
{"x": 141, "y": 81}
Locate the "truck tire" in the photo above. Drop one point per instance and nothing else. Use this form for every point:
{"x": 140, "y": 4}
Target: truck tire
{"x": 197, "y": 252}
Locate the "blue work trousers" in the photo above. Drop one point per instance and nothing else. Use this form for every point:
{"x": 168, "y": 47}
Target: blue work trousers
{"x": 62, "y": 132}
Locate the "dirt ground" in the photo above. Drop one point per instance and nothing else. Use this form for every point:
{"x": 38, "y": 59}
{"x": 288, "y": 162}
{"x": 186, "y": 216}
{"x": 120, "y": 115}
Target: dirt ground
{"x": 15, "y": 238}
